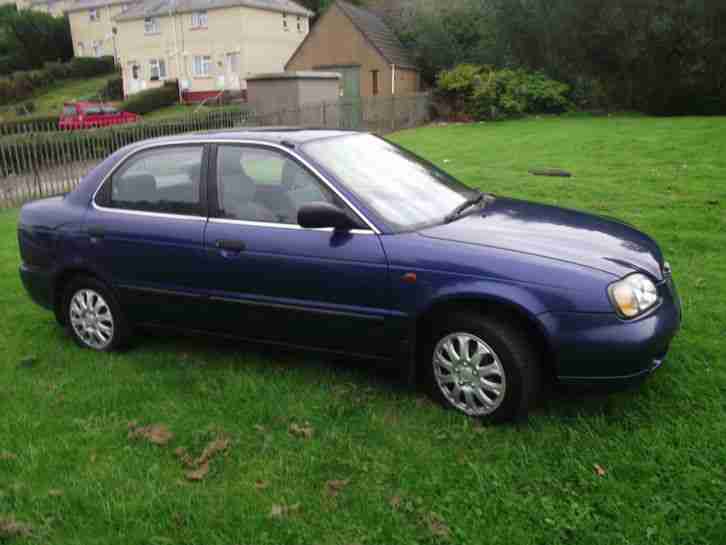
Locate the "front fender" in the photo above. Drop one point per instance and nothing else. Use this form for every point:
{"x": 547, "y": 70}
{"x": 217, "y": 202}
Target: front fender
{"x": 526, "y": 301}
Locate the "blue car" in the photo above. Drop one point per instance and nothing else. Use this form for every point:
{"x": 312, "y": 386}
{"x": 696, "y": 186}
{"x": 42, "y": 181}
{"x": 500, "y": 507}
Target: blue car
{"x": 345, "y": 243}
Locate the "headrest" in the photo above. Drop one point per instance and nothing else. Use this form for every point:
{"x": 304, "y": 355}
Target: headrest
{"x": 137, "y": 188}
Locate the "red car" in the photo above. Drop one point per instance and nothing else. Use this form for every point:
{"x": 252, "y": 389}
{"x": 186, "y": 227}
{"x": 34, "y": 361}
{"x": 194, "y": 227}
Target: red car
{"x": 88, "y": 115}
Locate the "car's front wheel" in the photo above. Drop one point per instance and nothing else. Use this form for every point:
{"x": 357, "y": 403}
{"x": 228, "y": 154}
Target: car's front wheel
{"x": 482, "y": 366}
{"x": 94, "y": 318}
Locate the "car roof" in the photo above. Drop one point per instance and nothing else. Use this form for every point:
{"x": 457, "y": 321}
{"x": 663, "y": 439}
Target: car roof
{"x": 277, "y": 135}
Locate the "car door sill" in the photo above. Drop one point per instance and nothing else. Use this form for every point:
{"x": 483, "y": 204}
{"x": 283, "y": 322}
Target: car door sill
{"x": 288, "y": 346}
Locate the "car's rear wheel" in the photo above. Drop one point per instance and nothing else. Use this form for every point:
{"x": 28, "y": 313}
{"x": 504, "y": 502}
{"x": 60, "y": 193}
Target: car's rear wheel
{"x": 482, "y": 366}
{"x": 93, "y": 317}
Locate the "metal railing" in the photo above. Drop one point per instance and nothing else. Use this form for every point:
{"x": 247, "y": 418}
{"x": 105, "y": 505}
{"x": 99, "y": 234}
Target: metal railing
{"x": 35, "y": 164}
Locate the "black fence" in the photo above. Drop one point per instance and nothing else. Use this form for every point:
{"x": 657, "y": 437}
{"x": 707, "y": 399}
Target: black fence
{"x": 42, "y": 163}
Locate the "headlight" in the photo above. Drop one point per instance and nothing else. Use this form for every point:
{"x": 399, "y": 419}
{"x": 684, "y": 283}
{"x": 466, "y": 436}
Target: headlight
{"x": 633, "y": 295}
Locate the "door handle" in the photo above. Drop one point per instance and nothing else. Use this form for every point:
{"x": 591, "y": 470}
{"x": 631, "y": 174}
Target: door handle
{"x": 231, "y": 245}
{"x": 96, "y": 232}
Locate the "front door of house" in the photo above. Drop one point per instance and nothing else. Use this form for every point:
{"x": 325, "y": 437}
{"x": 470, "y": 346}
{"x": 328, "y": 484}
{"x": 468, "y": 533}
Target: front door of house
{"x": 135, "y": 84}
{"x": 231, "y": 76}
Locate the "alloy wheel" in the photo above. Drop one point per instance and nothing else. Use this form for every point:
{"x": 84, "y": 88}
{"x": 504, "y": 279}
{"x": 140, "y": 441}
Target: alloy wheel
{"x": 91, "y": 319}
{"x": 469, "y": 374}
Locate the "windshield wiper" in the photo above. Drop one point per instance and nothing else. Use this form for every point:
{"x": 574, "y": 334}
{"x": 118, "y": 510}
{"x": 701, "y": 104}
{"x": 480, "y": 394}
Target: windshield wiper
{"x": 468, "y": 203}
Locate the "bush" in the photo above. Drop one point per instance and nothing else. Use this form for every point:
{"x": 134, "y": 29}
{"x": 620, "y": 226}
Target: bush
{"x": 30, "y": 124}
{"x": 486, "y": 93}
{"x": 7, "y": 90}
{"x": 114, "y": 89}
{"x": 152, "y": 99}
{"x": 57, "y": 70}
{"x": 86, "y": 67}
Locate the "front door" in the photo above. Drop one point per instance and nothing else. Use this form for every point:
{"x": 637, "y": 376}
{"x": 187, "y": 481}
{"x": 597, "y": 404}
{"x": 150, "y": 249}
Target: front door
{"x": 232, "y": 78}
{"x": 146, "y": 233}
{"x": 279, "y": 282}
{"x": 134, "y": 85}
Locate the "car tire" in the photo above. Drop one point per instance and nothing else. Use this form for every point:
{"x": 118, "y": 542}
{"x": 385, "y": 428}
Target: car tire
{"x": 93, "y": 316}
{"x": 502, "y": 385}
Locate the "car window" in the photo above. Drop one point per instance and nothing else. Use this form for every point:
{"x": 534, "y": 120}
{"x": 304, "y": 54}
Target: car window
{"x": 258, "y": 184}
{"x": 69, "y": 110}
{"x": 162, "y": 180}
{"x": 92, "y": 110}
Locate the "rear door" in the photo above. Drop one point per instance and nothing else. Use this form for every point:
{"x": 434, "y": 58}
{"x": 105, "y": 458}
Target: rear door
{"x": 146, "y": 232}
{"x": 276, "y": 281}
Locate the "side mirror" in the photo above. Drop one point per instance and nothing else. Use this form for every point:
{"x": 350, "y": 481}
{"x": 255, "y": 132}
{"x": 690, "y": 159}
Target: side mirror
{"x": 320, "y": 215}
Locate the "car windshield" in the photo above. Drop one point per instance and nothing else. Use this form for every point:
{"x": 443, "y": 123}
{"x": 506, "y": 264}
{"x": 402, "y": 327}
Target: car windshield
{"x": 406, "y": 191}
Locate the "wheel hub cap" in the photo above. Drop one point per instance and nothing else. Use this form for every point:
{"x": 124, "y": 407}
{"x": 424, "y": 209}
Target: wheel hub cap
{"x": 469, "y": 374}
{"x": 91, "y": 319}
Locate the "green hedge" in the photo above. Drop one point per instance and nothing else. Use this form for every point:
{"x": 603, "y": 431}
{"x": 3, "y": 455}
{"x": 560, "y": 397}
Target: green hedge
{"x": 30, "y": 124}
{"x": 487, "y": 93}
{"x": 21, "y": 85}
{"x": 23, "y": 152}
{"x": 114, "y": 89}
{"x": 152, "y": 99}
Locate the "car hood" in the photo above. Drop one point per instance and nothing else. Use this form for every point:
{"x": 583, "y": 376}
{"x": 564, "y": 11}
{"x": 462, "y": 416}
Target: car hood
{"x": 557, "y": 233}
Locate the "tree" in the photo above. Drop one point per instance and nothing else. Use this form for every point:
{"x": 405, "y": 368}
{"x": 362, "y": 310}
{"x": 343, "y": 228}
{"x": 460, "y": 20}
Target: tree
{"x": 30, "y": 38}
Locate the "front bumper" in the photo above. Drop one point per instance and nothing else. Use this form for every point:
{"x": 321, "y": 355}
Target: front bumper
{"x": 602, "y": 348}
{"x": 39, "y": 285}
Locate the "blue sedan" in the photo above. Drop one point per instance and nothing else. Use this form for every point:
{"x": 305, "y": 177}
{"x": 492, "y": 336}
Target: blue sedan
{"x": 345, "y": 243}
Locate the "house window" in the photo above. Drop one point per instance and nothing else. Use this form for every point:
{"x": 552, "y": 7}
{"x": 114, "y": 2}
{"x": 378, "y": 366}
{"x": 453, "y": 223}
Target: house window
{"x": 300, "y": 24}
{"x": 151, "y": 25}
{"x": 374, "y": 74}
{"x": 200, "y": 65}
{"x": 93, "y": 15}
{"x": 80, "y": 49}
{"x": 96, "y": 48}
{"x": 284, "y": 22}
{"x": 157, "y": 69}
{"x": 199, "y": 19}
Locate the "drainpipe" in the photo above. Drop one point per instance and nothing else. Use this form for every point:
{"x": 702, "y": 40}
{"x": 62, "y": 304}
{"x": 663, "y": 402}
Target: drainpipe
{"x": 393, "y": 79}
{"x": 176, "y": 52}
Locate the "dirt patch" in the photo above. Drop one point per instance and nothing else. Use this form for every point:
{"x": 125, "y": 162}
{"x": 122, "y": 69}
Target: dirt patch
{"x": 198, "y": 468}
{"x": 11, "y": 528}
{"x": 304, "y": 431}
{"x": 334, "y": 487}
{"x": 284, "y": 510}
{"x": 158, "y": 434}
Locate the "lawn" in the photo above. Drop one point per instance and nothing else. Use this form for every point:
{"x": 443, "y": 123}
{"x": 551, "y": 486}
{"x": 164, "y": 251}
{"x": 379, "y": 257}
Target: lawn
{"x": 182, "y": 110}
{"x": 49, "y": 101}
{"x": 305, "y": 449}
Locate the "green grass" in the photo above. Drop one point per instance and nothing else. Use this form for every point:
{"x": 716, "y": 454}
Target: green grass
{"x": 177, "y": 110}
{"x": 417, "y": 474}
{"x": 49, "y": 101}
{"x": 182, "y": 110}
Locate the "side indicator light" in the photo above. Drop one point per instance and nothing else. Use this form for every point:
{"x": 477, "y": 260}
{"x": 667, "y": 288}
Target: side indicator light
{"x": 409, "y": 278}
